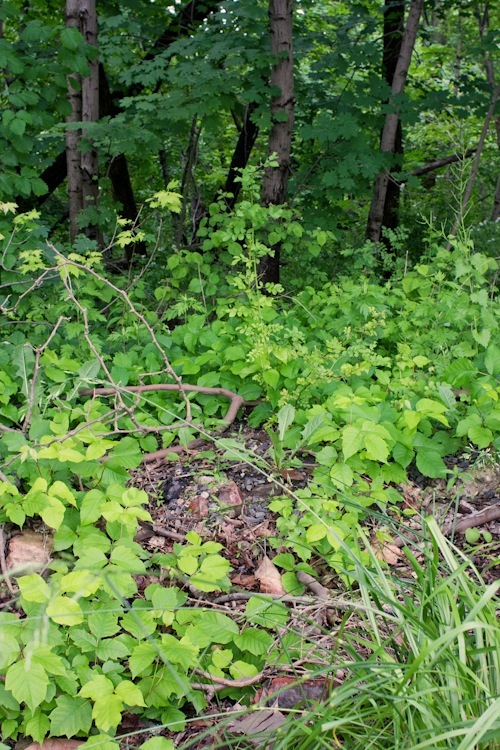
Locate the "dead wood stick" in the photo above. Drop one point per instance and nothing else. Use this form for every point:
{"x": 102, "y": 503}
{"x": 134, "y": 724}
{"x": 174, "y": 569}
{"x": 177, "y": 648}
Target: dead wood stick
{"x": 3, "y": 564}
{"x": 224, "y": 682}
{"x": 329, "y": 604}
{"x": 313, "y": 585}
{"x": 236, "y": 402}
{"x": 475, "y": 519}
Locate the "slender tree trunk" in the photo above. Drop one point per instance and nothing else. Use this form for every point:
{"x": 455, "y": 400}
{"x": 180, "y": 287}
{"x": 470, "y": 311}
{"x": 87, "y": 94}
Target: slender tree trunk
{"x": 394, "y": 17}
{"x": 246, "y": 139}
{"x": 389, "y": 133}
{"x": 90, "y": 113}
{"x": 73, "y": 156}
{"x": 83, "y": 94}
{"x": 282, "y": 115}
{"x": 484, "y": 24}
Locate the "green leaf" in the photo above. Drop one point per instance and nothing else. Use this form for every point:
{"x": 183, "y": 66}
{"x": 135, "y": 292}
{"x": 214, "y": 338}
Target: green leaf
{"x": 352, "y": 441}
{"x": 271, "y": 377}
{"x": 34, "y": 588}
{"x": 70, "y": 716}
{"x": 129, "y": 693}
{"x": 10, "y": 649}
{"x": 286, "y": 415}
{"x": 241, "y": 669}
{"x": 158, "y": 743}
{"x": 90, "y": 509}
{"x": 107, "y": 712}
{"x": 103, "y": 624}
{"x": 430, "y": 463}
{"x": 315, "y": 533}
{"x": 376, "y": 448}
{"x": 28, "y": 682}
{"x": 342, "y": 475}
{"x": 65, "y": 611}
{"x": 492, "y": 360}
{"x": 267, "y": 613}
{"x": 142, "y": 657}
{"x": 256, "y": 642}
{"x": 481, "y": 436}
{"x": 38, "y": 726}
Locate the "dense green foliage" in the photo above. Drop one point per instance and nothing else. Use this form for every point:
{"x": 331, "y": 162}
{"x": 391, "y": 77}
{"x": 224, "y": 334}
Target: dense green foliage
{"x": 371, "y": 363}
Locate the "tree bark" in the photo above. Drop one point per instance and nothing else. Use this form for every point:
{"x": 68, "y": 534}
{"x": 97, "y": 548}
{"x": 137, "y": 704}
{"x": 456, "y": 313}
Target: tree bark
{"x": 246, "y": 140}
{"x": 394, "y": 16}
{"x": 389, "y": 133}
{"x": 73, "y": 156}
{"x": 90, "y": 113}
{"x": 83, "y": 94}
{"x": 484, "y": 25}
{"x": 282, "y": 118}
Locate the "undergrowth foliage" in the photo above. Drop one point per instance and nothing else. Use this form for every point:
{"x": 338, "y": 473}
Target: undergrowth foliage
{"x": 373, "y": 381}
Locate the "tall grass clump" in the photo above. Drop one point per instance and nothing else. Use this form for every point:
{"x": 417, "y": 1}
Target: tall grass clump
{"x": 422, "y": 664}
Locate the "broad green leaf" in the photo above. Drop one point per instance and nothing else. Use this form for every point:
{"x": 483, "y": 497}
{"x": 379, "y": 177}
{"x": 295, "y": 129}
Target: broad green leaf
{"x": 38, "y": 726}
{"x": 90, "y": 509}
{"x": 70, "y": 716}
{"x": 23, "y": 359}
{"x": 142, "y": 657}
{"x": 10, "y": 649}
{"x": 241, "y": 669}
{"x": 100, "y": 742}
{"x": 212, "y": 574}
{"x": 267, "y": 613}
{"x": 492, "y": 360}
{"x": 81, "y": 582}
{"x": 271, "y": 377}
{"x": 181, "y": 652}
{"x": 352, "y": 441}
{"x": 342, "y": 475}
{"x": 158, "y": 743}
{"x": 430, "y": 463}
{"x": 98, "y": 687}
{"x": 376, "y": 448}
{"x": 256, "y": 642}
{"x": 315, "y": 533}
{"x": 28, "y": 682}
{"x": 65, "y": 611}
{"x": 481, "y": 436}
{"x": 34, "y": 588}
{"x": 103, "y": 624}
{"x": 107, "y": 712}
{"x": 129, "y": 693}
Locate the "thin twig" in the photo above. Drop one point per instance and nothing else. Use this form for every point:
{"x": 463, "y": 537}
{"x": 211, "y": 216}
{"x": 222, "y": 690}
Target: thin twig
{"x": 3, "y": 564}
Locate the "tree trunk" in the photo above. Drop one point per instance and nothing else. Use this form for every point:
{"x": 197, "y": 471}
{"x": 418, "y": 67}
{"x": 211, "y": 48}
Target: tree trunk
{"x": 389, "y": 133}
{"x": 394, "y": 17}
{"x": 282, "y": 116}
{"x": 484, "y": 25}
{"x": 73, "y": 156}
{"x": 90, "y": 113}
{"x": 83, "y": 94}
{"x": 246, "y": 139}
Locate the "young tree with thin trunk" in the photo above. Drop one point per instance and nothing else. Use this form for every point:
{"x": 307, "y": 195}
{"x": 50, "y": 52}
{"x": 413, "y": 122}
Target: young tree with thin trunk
{"x": 390, "y": 131}
{"x": 282, "y": 115}
{"x": 83, "y": 95}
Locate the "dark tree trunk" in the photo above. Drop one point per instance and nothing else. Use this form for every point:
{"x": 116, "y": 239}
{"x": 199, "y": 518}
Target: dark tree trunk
{"x": 282, "y": 118}
{"x": 390, "y": 131}
{"x": 394, "y": 17}
{"x": 241, "y": 154}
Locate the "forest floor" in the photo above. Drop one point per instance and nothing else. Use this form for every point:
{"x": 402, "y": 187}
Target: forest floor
{"x": 228, "y": 502}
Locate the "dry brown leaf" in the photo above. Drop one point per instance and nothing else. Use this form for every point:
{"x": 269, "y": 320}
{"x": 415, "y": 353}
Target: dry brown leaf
{"x": 269, "y": 576}
{"x": 199, "y": 506}
{"x": 258, "y": 726}
{"x": 230, "y": 499}
{"x": 388, "y": 552}
{"x": 55, "y": 744}
{"x": 28, "y": 551}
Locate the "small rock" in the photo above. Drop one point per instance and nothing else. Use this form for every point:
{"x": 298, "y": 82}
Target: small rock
{"x": 28, "y": 551}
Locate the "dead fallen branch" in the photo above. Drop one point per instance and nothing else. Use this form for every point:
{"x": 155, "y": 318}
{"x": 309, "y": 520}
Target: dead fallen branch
{"x": 236, "y": 402}
{"x": 475, "y": 519}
